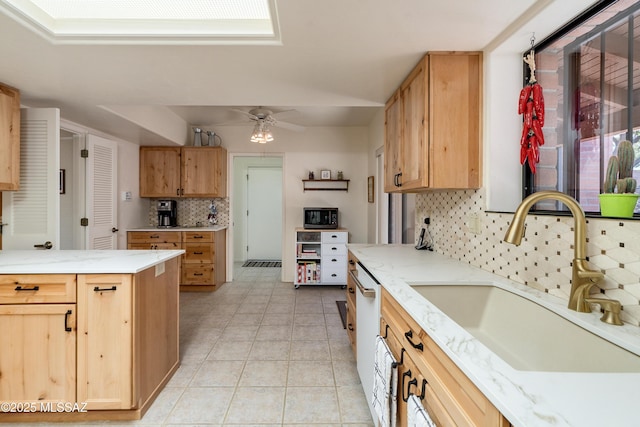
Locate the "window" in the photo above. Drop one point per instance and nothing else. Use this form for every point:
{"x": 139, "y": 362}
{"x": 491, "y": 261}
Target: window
{"x": 590, "y": 73}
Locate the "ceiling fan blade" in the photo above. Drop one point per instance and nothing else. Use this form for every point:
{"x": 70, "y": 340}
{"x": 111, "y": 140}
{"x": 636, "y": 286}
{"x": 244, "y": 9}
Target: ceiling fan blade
{"x": 289, "y": 126}
{"x": 249, "y": 115}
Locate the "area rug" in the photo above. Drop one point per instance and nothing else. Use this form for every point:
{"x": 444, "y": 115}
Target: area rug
{"x": 262, "y": 263}
{"x": 342, "y": 309}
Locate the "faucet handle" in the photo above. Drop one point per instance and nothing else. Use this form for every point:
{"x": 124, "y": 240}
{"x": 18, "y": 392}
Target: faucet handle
{"x": 611, "y": 309}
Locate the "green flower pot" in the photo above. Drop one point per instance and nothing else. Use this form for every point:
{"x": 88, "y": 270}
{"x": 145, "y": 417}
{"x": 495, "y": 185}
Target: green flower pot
{"x": 618, "y": 205}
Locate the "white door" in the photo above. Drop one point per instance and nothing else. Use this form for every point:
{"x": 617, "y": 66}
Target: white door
{"x": 264, "y": 213}
{"x": 32, "y": 213}
{"x": 101, "y": 193}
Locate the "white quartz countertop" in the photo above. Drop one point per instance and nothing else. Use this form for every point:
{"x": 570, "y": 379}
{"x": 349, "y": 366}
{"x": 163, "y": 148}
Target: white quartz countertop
{"x": 82, "y": 262}
{"x": 526, "y": 398}
{"x": 180, "y": 228}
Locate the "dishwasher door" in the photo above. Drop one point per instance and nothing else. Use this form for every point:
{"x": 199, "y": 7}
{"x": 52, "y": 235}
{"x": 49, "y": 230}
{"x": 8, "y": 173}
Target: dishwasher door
{"x": 367, "y": 328}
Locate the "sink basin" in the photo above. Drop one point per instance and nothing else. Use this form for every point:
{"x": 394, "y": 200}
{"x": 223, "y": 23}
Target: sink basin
{"x": 525, "y": 334}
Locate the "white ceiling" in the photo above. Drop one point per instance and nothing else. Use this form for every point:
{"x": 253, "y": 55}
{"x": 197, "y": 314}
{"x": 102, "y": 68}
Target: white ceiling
{"x": 338, "y": 63}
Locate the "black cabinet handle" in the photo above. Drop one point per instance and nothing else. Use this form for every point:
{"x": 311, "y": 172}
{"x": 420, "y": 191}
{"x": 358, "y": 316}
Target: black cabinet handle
{"x": 198, "y": 253}
{"x": 409, "y": 335}
{"x": 352, "y": 262}
{"x": 334, "y": 249}
{"x": 351, "y": 290}
{"x": 155, "y": 236}
{"x": 406, "y": 374}
{"x": 66, "y": 320}
{"x": 334, "y": 260}
{"x": 334, "y": 275}
{"x": 20, "y": 288}
{"x": 350, "y": 327}
{"x": 198, "y": 274}
{"x": 99, "y": 289}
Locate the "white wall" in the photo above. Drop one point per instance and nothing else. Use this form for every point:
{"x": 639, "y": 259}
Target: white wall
{"x": 134, "y": 213}
{"x": 317, "y": 148}
{"x": 376, "y": 141}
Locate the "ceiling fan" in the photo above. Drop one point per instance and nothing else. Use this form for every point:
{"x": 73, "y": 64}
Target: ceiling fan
{"x": 265, "y": 119}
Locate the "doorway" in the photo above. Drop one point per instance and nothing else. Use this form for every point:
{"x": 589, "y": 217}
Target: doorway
{"x": 257, "y": 205}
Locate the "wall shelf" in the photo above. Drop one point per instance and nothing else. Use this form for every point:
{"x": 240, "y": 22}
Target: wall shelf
{"x": 325, "y": 184}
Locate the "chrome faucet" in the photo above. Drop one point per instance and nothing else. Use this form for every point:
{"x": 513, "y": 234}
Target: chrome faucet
{"x": 582, "y": 278}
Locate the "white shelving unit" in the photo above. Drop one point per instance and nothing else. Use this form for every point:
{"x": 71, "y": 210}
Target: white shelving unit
{"x": 321, "y": 257}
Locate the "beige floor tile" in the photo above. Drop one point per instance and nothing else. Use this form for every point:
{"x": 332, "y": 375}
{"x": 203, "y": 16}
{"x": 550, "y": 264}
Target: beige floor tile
{"x": 308, "y": 307}
{"x": 202, "y": 405}
{"x": 314, "y": 373}
{"x": 161, "y": 408}
{"x": 279, "y": 308}
{"x": 268, "y": 373}
{"x": 311, "y": 405}
{"x": 345, "y": 373}
{"x": 239, "y": 333}
{"x": 218, "y": 373}
{"x": 308, "y": 319}
{"x": 274, "y": 319}
{"x": 256, "y": 405}
{"x": 308, "y": 333}
{"x": 353, "y": 405}
{"x": 310, "y": 350}
{"x": 245, "y": 319}
{"x": 230, "y": 350}
{"x": 270, "y": 350}
{"x": 274, "y": 333}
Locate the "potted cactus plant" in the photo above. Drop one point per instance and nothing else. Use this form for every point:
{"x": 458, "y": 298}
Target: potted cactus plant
{"x": 619, "y": 198}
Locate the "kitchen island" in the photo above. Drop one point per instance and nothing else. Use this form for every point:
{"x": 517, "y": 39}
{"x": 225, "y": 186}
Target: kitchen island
{"x": 526, "y": 398}
{"x": 87, "y": 335}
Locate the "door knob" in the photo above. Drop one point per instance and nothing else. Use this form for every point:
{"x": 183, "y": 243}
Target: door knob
{"x": 45, "y": 245}
{"x": 114, "y": 230}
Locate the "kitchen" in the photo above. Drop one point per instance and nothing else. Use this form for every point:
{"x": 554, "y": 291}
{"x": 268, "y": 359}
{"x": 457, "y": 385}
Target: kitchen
{"x": 502, "y": 68}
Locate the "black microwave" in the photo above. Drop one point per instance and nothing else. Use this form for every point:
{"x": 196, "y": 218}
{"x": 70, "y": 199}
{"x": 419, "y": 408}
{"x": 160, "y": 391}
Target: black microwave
{"x": 320, "y": 217}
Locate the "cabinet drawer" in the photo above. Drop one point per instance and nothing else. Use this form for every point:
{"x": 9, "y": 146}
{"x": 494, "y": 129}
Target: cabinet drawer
{"x": 198, "y": 236}
{"x": 334, "y": 236}
{"x": 197, "y": 274}
{"x": 154, "y": 236}
{"x": 337, "y": 261}
{"x": 154, "y": 245}
{"x": 198, "y": 253}
{"x": 330, "y": 250}
{"x": 37, "y": 288}
{"x": 331, "y": 274}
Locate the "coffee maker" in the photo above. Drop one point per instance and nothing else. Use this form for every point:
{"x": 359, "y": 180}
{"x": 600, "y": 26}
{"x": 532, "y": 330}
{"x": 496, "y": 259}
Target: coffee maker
{"x": 167, "y": 213}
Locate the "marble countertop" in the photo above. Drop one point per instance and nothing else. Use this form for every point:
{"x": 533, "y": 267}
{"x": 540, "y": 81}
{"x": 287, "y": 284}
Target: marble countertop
{"x": 181, "y": 228}
{"x": 81, "y": 262}
{"x": 526, "y": 398}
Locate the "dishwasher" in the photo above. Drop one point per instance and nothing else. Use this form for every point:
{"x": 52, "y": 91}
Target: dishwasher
{"x": 367, "y": 327}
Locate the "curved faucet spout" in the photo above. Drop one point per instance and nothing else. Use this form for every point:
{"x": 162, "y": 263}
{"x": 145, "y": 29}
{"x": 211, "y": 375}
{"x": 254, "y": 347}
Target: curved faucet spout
{"x": 582, "y": 278}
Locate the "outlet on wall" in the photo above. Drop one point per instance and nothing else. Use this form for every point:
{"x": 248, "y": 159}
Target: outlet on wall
{"x": 473, "y": 223}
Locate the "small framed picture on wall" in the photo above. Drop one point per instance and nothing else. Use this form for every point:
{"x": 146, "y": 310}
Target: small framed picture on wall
{"x": 325, "y": 174}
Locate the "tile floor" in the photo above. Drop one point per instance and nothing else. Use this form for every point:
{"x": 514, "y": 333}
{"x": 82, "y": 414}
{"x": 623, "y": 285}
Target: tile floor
{"x": 258, "y": 352}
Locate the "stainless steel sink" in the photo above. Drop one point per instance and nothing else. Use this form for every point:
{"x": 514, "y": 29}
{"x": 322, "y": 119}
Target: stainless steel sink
{"x": 525, "y": 334}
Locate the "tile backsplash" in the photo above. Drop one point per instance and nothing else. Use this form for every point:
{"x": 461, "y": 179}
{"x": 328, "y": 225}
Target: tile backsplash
{"x": 192, "y": 211}
{"x": 543, "y": 260}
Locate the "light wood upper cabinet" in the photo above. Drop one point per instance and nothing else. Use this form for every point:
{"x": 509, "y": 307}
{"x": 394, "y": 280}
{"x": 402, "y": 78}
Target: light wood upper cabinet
{"x": 183, "y": 172}
{"x": 433, "y": 125}
{"x": 9, "y": 138}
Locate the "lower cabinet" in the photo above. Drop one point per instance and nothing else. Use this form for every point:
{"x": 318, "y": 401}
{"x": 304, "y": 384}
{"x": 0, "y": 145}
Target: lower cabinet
{"x": 109, "y": 341}
{"x": 38, "y": 357}
{"x": 426, "y": 371}
{"x": 105, "y": 329}
{"x": 204, "y": 261}
{"x": 351, "y": 304}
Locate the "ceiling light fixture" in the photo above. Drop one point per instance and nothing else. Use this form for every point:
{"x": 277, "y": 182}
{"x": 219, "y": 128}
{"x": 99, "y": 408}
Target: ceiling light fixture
{"x": 261, "y": 133}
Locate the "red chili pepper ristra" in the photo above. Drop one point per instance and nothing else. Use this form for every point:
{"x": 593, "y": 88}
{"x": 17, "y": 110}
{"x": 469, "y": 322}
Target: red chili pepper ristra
{"x": 538, "y": 102}
{"x": 531, "y": 105}
{"x": 525, "y": 93}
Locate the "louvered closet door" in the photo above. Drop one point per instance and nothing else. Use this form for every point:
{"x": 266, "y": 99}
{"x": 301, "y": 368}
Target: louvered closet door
{"x": 101, "y": 193}
{"x": 32, "y": 213}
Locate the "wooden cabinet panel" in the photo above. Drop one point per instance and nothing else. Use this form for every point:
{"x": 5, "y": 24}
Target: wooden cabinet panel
{"x": 452, "y": 399}
{"x": 193, "y": 274}
{"x": 433, "y": 125}
{"x": 204, "y": 172}
{"x": 160, "y": 172}
{"x": 183, "y": 172}
{"x": 9, "y": 138}
{"x": 38, "y": 357}
{"x": 198, "y": 236}
{"x": 105, "y": 341}
{"x": 198, "y": 253}
{"x": 154, "y": 237}
{"x": 37, "y": 288}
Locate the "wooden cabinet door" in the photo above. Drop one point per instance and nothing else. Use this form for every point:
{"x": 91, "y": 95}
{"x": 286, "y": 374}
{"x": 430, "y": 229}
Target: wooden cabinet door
{"x": 415, "y": 155}
{"x": 9, "y": 138}
{"x": 38, "y": 357}
{"x": 105, "y": 333}
{"x": 392, "y": 143}
{"x": 160, "y": 172}
{"x": 455, "y": 117}
{"x": 204, "y": 172}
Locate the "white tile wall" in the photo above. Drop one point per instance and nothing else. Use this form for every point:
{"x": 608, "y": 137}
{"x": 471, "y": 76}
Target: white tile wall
{"x": 543, "y": 260}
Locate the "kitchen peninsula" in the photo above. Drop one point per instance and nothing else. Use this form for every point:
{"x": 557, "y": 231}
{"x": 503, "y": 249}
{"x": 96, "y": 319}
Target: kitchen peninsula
{"x": 87, "y": 335}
